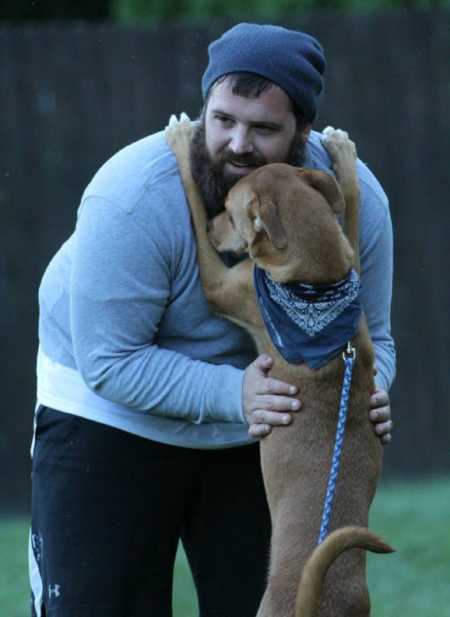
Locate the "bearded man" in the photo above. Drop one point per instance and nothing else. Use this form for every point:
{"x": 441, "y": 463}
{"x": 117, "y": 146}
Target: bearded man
{"x": 150, "y": 407}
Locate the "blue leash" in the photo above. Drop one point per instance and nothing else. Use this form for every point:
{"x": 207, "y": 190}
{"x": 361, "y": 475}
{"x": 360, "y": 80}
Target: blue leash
{"x": 349, "y": 356}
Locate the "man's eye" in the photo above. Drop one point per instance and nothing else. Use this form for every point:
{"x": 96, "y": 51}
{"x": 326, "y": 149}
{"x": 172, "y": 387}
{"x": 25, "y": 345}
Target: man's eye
{"x": 267, "y": 130}
{"x": 224, "y": 120}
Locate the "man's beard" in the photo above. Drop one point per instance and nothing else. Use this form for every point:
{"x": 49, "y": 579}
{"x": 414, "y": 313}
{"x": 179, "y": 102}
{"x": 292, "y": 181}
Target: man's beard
{"x": 210, "y": 177}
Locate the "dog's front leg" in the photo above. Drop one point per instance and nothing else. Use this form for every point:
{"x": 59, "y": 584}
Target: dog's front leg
{"x": 225, "y": 288}
{"x": 343, "y": 154}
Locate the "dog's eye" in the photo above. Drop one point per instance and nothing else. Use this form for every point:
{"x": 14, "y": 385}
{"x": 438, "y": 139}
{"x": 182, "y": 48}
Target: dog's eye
{"x": 230, "y": 218}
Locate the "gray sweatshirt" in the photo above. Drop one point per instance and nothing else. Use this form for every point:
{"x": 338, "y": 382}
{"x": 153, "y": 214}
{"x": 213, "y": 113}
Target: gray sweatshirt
{"x": 126, "y": 335}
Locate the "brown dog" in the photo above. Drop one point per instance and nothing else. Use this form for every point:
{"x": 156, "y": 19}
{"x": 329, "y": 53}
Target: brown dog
{"x": 285, "y": 218}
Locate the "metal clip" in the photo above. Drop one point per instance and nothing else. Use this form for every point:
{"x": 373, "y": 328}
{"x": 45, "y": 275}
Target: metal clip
{"x": 349, "y": 351}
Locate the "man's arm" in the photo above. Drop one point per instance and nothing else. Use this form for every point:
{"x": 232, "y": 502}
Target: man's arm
{"x": 376, "y": 277}
{"x": 122, "y": 278}
{"x": 376, "y": 248}
{"x": 120, "y": 287}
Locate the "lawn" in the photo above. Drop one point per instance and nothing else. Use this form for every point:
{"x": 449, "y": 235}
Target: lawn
{"x": 415, "y": 581}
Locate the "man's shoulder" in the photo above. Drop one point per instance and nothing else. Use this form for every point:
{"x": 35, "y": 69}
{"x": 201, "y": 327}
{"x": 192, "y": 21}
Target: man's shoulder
{"x": 317, "y": 157}
{"x": 145, "y": 166}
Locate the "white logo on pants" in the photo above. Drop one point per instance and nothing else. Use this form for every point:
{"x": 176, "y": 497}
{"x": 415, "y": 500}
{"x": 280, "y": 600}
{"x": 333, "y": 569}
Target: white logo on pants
{"x": 54, "y": 591}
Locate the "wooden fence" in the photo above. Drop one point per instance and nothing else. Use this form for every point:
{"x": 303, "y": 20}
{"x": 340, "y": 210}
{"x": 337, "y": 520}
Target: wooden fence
{"x": 71, "y": 95}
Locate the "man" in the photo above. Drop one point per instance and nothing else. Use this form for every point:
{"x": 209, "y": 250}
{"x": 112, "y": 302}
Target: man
{"x": 148, "y": 404}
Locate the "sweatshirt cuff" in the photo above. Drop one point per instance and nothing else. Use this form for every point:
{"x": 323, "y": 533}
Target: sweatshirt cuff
{"x": 384, "y": 378}
{"x": 225, "y": 404}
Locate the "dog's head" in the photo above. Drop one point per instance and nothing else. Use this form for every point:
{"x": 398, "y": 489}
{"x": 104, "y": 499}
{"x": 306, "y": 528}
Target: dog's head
{"x": 285, "y": 218}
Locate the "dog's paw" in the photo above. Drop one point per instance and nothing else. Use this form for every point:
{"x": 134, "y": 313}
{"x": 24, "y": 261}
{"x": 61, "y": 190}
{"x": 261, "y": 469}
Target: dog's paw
{"x": 178, "y": 134}
{"x": 338, "y": 143}
{"x": 342, "y": 152}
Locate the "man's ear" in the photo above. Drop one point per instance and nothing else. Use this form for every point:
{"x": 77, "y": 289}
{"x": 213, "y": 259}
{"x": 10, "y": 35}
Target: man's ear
{"x": 327, "y": 185}
{"x": 266, "y": 218}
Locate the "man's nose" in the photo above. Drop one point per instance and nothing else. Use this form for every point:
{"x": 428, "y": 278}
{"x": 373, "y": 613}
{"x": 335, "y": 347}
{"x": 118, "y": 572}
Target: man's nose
{"x": 241, "y": 142}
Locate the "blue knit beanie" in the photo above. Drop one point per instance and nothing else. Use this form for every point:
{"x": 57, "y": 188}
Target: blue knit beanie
{"x": 295, "y": 61}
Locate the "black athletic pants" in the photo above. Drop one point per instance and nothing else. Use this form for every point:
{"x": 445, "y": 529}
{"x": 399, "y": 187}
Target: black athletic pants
{"x": 108, "y": 509}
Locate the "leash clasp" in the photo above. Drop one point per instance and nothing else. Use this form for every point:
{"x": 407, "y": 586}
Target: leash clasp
{"x": 349, "y": 352}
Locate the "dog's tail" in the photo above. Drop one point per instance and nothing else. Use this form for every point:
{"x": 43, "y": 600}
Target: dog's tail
{"x": 308, "y": 595}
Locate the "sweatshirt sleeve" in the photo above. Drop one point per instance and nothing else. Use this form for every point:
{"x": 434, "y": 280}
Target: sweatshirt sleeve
{"x": 120, "y": 287}
{"x": 376, "y": 249}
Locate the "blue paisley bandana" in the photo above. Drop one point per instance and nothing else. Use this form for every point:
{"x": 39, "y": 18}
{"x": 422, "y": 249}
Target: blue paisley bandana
{"x": 309, "y": 323}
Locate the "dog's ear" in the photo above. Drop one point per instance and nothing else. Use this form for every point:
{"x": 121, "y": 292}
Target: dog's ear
{"x": 327, "y": 185}
{"x": 265, "y": 217}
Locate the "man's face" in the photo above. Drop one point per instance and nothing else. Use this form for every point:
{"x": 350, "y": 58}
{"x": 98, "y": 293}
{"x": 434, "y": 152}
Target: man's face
{"x": 244, "y": 133}
{"x": 237, "y": 134}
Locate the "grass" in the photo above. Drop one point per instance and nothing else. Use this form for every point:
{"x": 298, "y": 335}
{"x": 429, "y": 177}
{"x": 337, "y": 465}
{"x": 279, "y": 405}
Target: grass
{"x": 415, "y": 581}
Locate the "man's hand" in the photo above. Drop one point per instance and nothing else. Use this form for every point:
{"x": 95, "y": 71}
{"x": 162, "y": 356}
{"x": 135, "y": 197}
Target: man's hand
{"x": 266, "y": 401}
{"x": 380, "y": 415}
